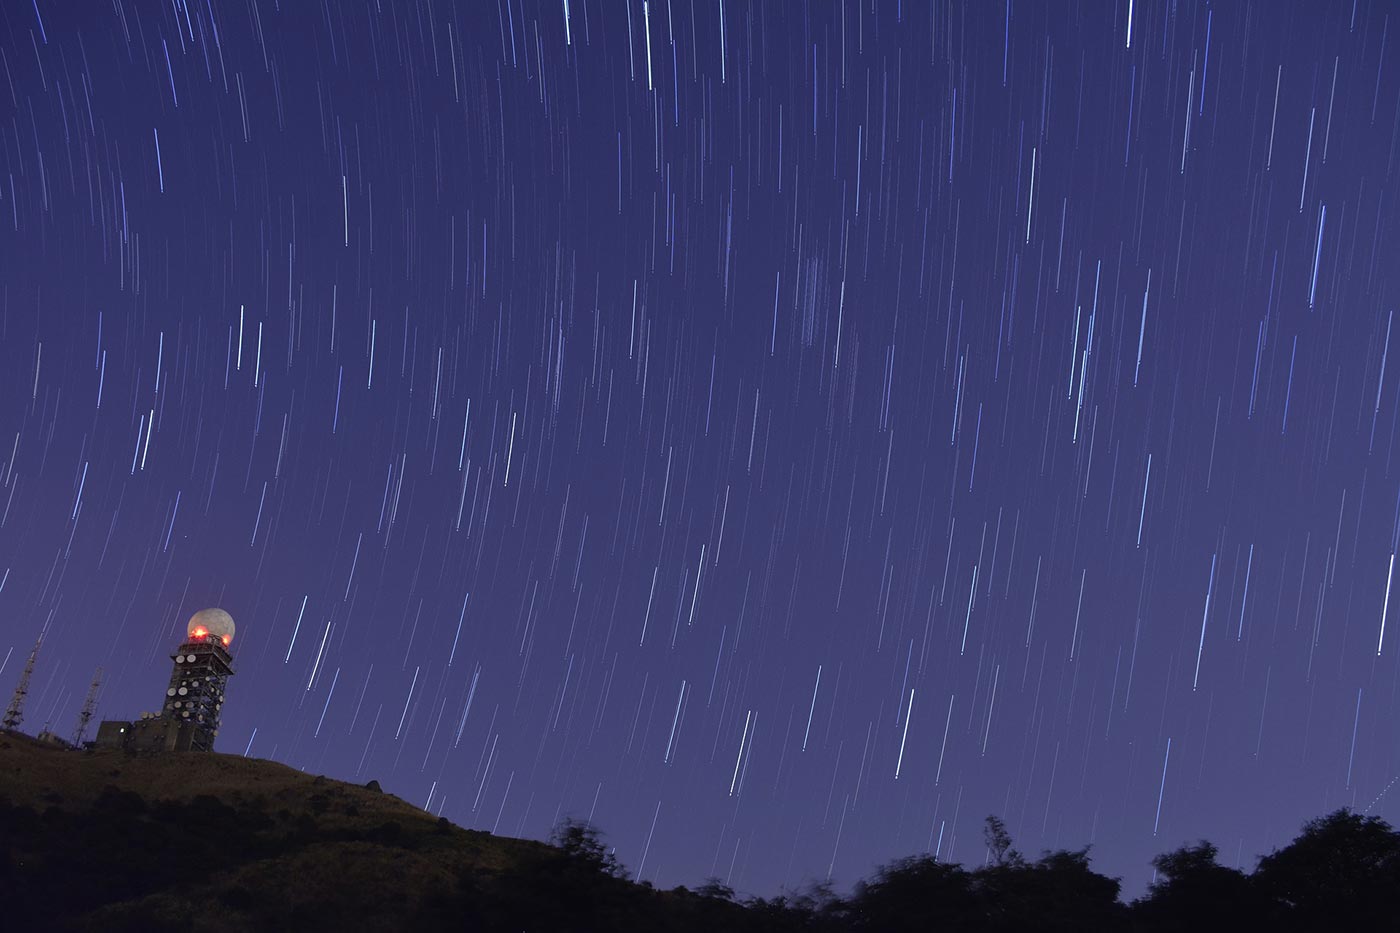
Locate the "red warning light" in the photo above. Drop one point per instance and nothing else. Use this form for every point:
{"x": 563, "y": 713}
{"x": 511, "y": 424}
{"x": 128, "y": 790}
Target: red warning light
{"x": 227, "y": 640}
{"x": 200, "y": 633}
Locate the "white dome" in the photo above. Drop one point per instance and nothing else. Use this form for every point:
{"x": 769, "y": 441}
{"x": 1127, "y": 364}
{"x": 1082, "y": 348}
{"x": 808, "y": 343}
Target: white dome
{"x": 213, "y": 622}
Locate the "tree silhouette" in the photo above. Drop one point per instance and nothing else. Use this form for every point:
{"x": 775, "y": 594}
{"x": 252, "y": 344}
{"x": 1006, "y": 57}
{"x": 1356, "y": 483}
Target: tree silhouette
{"x": 812, "y": 908}
{"x": 582, "y": 842}
{"x": 1191, "y": 885}
{"x": 1058, "y": 891}
{"x": 715, "y": 888}
{"x": 917, "y": 893}
{"x": 1342, "y": 872}
{"x": 999, "y": 843}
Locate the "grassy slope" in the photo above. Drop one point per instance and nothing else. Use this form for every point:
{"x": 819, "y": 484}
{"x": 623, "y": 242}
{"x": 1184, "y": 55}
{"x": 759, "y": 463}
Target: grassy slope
{"x": 141, "y": 831}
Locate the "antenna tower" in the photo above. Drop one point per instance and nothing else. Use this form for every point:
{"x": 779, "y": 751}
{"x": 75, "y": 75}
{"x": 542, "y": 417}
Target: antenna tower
{"x": 89, "y": 707}
{"x": 15, "y": 713}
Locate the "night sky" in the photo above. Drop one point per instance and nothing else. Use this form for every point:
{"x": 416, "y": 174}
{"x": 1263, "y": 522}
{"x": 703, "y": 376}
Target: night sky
{"x": 784, "y": 434}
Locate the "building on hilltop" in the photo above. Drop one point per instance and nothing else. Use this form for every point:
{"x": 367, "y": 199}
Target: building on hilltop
{"x": 189, "y": 716}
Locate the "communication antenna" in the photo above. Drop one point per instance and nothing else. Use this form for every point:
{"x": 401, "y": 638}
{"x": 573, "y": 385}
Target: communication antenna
{"x": 89, "y": 707}
{"x": 15, "y": 713}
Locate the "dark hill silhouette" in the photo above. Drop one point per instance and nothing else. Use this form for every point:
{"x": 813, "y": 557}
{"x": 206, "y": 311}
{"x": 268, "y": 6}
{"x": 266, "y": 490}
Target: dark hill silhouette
{"x": 208, "y": 842}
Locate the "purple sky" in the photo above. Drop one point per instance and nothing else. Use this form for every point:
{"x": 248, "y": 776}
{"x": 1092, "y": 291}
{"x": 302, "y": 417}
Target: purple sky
{"x": 784, "y": 433}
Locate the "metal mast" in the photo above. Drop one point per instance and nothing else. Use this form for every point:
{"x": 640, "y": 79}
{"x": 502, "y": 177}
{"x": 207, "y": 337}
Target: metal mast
{"x": 15, "y": 713}
{"x": 89, "y": 707}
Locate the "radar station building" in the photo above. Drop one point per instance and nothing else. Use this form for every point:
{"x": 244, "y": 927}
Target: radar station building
{"x": 189, "y": 716}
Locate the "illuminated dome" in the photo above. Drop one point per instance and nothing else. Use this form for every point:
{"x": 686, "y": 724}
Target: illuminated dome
{"x": 208, "y": 623}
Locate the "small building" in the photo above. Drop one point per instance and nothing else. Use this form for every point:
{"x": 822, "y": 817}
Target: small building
{"x": 111, "y": 733}
{"x": 152, "y": 733}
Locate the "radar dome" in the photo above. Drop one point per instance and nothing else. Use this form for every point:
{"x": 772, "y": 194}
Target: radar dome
{"x": 211, "y": 623}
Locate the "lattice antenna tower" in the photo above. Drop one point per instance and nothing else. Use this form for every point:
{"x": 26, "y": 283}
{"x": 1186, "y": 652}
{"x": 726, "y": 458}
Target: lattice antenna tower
{"x": 89, "y": 707}
{"x": 14, "y": 715}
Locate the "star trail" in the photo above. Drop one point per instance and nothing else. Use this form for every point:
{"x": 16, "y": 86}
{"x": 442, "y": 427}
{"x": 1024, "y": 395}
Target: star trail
{"x": 780, "y": 433}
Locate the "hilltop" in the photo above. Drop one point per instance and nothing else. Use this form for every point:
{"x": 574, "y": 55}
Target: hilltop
{"x": 206, "y": 843}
